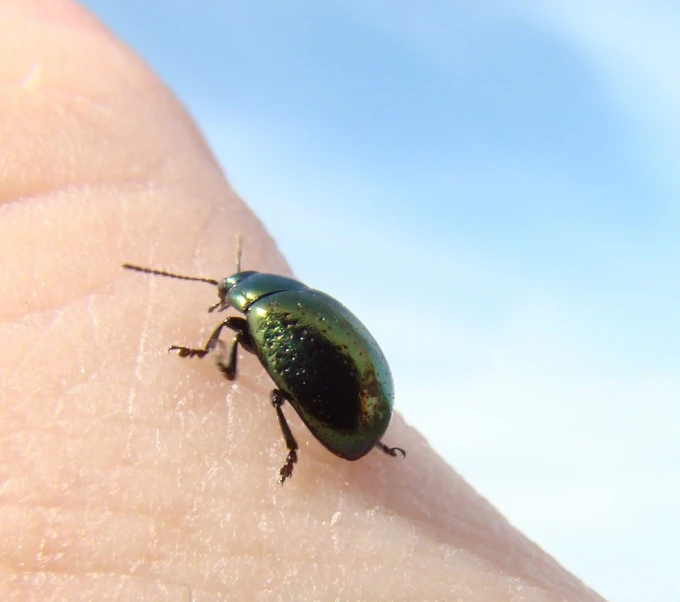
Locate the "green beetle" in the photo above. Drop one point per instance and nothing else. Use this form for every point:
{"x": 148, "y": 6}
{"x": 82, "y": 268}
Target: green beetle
{"x": 322, "y": 359}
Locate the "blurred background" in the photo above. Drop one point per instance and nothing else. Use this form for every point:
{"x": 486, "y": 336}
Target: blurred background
{"x": 494, "y": 190}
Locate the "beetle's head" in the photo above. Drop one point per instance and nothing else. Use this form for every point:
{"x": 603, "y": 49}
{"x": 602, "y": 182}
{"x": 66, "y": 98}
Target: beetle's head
{"x": 225, "y": 286}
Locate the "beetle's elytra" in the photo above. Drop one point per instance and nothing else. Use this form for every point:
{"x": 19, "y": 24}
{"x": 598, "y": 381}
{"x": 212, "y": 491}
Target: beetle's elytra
{"x": 322, "y": 359}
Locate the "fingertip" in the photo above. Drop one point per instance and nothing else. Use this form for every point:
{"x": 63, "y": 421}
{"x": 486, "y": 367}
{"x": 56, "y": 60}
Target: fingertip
{"x": 63, "y": 13}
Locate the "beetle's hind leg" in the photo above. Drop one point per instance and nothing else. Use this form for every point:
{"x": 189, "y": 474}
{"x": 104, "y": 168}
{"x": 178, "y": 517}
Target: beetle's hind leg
{"x": 278, "y": 397}
{"x": 390, "y": 451}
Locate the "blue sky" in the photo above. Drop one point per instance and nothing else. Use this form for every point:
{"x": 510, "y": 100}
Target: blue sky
{"x": 494, "y": 190}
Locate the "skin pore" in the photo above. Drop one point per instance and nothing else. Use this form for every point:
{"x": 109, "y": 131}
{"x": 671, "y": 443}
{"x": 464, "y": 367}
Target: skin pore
{"x": 132, "y": 474}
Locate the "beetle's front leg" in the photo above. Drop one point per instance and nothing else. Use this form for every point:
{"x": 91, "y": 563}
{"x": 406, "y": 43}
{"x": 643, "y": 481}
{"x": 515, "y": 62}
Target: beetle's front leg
{"x": 242, "y": 337}
{"x": 240, "y": 326}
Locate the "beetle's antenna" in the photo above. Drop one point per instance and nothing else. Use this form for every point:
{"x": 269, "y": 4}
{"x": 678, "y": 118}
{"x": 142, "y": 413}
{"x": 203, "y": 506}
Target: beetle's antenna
{"x": 239, "y": 251}
{"x": 137, "y": 268}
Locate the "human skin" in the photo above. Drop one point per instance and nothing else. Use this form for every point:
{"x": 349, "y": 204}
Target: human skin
{"x": 129, "y": 473}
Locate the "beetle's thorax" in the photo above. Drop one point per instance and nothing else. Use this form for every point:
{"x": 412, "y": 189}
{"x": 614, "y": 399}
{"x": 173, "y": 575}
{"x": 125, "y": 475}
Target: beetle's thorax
{"x": 242, "y": 289}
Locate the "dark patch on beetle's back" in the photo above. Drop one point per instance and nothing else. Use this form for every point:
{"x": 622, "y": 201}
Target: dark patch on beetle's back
{"x": 317, "y": 372}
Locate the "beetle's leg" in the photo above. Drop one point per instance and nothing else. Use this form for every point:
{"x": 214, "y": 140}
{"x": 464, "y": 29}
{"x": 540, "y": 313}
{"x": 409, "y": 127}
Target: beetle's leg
{"x": 390, "y": 451}
{"x": 209, "y": 346}
{"x": 278, "y": 397}
{"x": 240, "y": 325}
{"x": 243, "y": 338}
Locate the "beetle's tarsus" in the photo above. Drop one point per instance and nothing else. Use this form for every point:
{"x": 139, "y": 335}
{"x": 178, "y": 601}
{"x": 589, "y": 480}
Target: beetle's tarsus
{"x": 188, "y": 351}
{"x": 390, "y": 451}
{"x": 287, "y": 469}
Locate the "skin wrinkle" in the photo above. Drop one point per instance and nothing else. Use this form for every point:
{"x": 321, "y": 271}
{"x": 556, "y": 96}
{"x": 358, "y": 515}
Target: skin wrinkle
{"x": 57, "y": 193}
{"x": 38, "y": 579}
